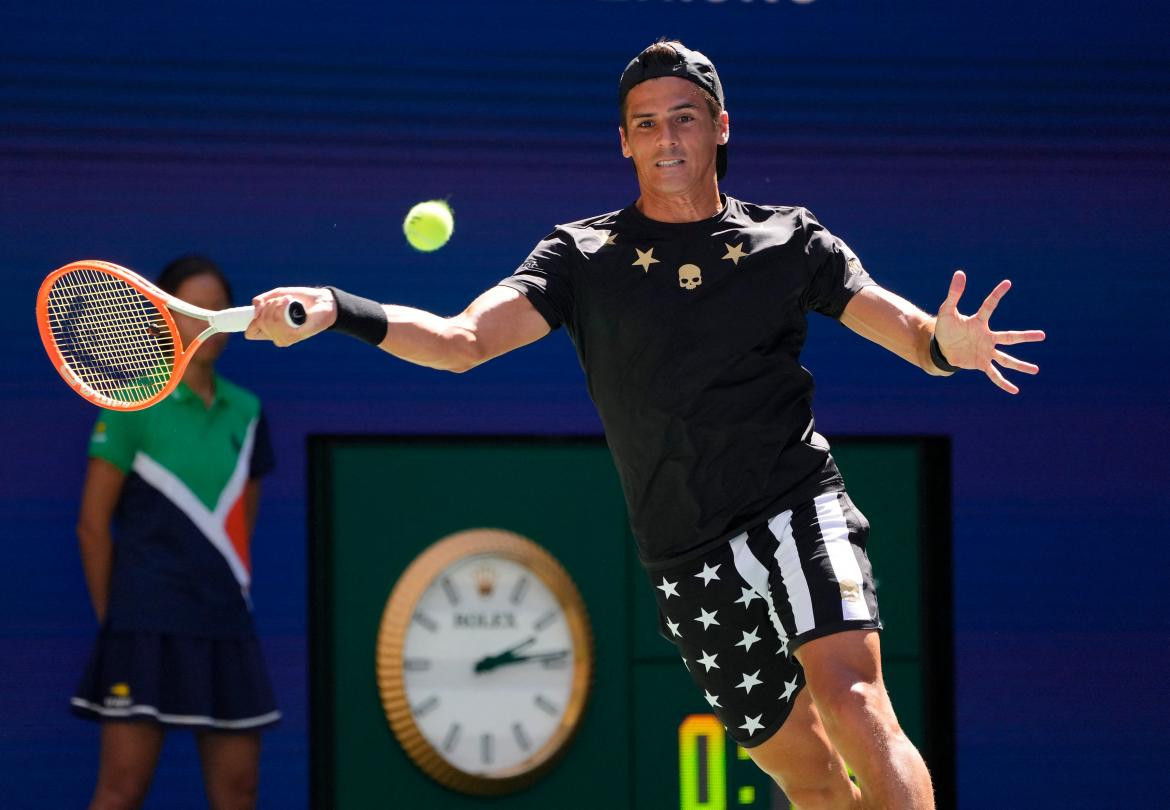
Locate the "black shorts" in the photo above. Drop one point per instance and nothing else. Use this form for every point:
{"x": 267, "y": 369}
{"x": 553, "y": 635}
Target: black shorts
{"x": 739, "y": 613}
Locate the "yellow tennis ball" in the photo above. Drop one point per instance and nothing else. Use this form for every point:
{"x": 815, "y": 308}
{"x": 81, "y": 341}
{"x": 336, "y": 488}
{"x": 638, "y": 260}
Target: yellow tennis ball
{"x": 429, "y": 225}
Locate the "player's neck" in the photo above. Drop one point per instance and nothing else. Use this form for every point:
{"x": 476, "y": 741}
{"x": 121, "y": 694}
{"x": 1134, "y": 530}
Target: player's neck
{"x": 201, "y": 380}
{"x": 683, "y": 206}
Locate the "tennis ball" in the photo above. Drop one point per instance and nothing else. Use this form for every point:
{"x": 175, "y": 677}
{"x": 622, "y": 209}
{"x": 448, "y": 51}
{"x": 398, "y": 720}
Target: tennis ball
{"x": 428, "y": 225}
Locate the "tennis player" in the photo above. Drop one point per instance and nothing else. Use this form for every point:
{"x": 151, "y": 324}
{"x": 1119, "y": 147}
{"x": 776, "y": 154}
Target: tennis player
{"x": 688, "y": 312}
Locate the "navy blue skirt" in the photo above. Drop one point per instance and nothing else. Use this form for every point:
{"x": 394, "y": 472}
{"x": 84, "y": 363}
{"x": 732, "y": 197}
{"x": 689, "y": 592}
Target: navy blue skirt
{"x": 177, "y": 681}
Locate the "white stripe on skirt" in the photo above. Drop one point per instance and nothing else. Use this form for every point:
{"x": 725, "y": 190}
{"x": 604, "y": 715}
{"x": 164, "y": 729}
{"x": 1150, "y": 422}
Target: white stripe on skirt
{"x": 179, "y": 719}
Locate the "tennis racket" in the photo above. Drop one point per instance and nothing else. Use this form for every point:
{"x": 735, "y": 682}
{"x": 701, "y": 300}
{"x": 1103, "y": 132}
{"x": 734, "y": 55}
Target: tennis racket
{"x": 112, "y": 335}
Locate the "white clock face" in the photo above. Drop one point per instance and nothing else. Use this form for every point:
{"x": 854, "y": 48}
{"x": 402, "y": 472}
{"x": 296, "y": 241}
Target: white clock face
{"x": 488, "y": 664}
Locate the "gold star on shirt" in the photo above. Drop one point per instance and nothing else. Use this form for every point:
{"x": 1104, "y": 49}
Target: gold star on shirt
{"x": 607, "y": 236}
{"x": 734, "y": 252}
{"x": 645, "y": 259}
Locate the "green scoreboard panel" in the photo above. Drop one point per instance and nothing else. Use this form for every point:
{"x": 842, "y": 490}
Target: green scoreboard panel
{"x": 647, "y": 739}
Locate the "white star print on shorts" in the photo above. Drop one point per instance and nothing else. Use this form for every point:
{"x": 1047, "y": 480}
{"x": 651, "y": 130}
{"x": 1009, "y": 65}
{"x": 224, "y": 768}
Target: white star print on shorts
{"x": 738, "y": 612}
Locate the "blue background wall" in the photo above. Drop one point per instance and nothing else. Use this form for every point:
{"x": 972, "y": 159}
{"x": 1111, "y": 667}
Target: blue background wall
{"x": 1014, "y": 139}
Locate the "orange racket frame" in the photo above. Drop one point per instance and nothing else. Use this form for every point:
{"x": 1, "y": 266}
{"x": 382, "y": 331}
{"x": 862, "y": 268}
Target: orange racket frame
{"x": 229, "y": 320}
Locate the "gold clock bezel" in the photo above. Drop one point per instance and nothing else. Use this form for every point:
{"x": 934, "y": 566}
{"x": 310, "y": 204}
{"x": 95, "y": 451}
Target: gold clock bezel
{"x": 396, "y": 619}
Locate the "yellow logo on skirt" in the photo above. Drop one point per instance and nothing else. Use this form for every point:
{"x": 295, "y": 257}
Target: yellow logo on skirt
{"x": 119, "y": 696}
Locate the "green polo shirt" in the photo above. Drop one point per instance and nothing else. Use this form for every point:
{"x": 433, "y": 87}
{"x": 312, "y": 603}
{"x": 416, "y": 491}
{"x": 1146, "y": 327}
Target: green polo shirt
{"x": 181, "y": 554}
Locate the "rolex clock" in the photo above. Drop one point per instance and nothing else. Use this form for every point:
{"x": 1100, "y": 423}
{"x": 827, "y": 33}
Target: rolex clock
{"x": 484, "y": 660}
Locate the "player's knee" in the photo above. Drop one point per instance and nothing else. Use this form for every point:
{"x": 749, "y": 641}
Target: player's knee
{"x": 823, "y": 791}
{"x": 805, "y": 797}
{"x": 850, "y": 703}
{"x": 119, "y": 791}
{"x": 811, "y": 782}
{"x": 233, "y": 791}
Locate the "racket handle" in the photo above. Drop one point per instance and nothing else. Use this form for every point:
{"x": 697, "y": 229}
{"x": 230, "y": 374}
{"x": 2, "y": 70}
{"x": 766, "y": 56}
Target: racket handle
{"x": 231, "y": 320}
{"x": 238, "y": 318}
{"x": 295, "y": 315}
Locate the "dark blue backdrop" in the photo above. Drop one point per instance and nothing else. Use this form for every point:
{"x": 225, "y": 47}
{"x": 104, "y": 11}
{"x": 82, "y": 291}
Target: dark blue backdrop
{"x": 1014, "y": 139}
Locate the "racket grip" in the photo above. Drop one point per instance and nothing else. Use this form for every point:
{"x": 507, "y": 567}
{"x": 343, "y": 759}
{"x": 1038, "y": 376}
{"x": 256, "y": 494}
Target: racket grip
{"x": 295, "y": 315}
{"x": 231, "y": 320}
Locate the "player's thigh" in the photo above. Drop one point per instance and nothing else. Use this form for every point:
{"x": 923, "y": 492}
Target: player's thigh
{"x": 844, "y": 678}
{"x": 129, "y": 753}
{"x": 843, "y": 668}
{"x": 800, "y": 757}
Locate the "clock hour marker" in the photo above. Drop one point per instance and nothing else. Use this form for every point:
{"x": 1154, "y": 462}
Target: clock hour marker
{"x": 449, "y": 589}
{"x": 521, "y": 737}
{"x": 416, "y": 664}
{"x": 426, "y": 621}
{"x": 485, "y": 749}
{"x": 545, "y": 620}
{"x": 546, "y": 705}
{"x": 519, "y": 591}
{"x": 452, "y": 737}
{"x": 426, "y": 707}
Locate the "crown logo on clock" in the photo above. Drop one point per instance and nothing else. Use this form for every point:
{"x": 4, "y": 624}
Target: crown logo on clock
{"x": 485, "y": 580}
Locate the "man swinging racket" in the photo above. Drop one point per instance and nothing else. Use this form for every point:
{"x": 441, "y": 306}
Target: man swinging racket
{"x": 688, "y": 313}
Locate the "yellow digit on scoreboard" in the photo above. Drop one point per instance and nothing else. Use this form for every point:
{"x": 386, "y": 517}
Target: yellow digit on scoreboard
{"x": 702, "y": 763}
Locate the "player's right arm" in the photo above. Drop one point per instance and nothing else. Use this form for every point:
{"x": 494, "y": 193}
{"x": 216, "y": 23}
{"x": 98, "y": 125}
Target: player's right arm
{"x": 495, "y": 323}
{"x": 99, "y": 496}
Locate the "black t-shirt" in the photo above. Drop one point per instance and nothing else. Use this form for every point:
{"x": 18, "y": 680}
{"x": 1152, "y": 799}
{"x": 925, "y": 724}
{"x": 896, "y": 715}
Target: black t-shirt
{"x": 690, "y": 337}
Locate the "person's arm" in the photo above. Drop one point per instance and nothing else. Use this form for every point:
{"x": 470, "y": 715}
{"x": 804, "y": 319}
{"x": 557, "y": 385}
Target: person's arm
{"x": 498, "y": 321}
{"x": 99, "y": 496}
{"x": 894, "y": 323}
{"x": 965, "y": 341}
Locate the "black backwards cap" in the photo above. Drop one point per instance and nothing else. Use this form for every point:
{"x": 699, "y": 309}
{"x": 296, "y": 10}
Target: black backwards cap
{"x": 690, "y": 65}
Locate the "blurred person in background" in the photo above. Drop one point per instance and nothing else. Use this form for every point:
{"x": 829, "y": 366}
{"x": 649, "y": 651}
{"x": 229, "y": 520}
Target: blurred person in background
{"x": 167, "y": 510}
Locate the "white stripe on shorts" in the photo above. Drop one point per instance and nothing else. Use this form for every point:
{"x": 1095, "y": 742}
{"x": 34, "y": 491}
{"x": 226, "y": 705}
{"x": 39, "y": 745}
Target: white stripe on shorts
{"x": 756, "y": 575}
{"x": 835, "y": 535}
{"x": 788, "y": 557}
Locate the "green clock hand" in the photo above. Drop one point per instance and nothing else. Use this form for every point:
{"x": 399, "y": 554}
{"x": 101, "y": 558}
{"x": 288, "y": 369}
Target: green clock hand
{"x": 546, "y": 656}
{"x": 508, "y": 656}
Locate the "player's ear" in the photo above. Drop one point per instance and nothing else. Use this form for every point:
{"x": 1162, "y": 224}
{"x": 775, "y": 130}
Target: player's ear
{"x": 625, "y": 143}
{"x": 724, "y": 127}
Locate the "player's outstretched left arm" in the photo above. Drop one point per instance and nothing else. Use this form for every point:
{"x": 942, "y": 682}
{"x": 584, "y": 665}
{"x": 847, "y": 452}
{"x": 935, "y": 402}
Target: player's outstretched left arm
{"x": 964, "y": 341}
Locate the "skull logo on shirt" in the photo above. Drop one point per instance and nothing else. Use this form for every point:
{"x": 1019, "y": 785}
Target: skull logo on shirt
{"x": 690, "y": 276}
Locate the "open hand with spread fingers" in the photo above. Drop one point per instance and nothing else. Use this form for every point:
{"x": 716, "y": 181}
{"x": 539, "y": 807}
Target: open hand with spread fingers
{"x": 967, "y": 341}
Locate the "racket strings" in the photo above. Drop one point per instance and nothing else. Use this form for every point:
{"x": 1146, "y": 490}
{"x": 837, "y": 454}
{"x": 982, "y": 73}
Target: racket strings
{"x": 112, "y": 338}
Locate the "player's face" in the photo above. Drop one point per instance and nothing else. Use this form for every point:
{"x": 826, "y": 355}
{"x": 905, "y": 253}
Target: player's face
{"x": 671, "y": 137}
{"x": 202, "y": 290}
